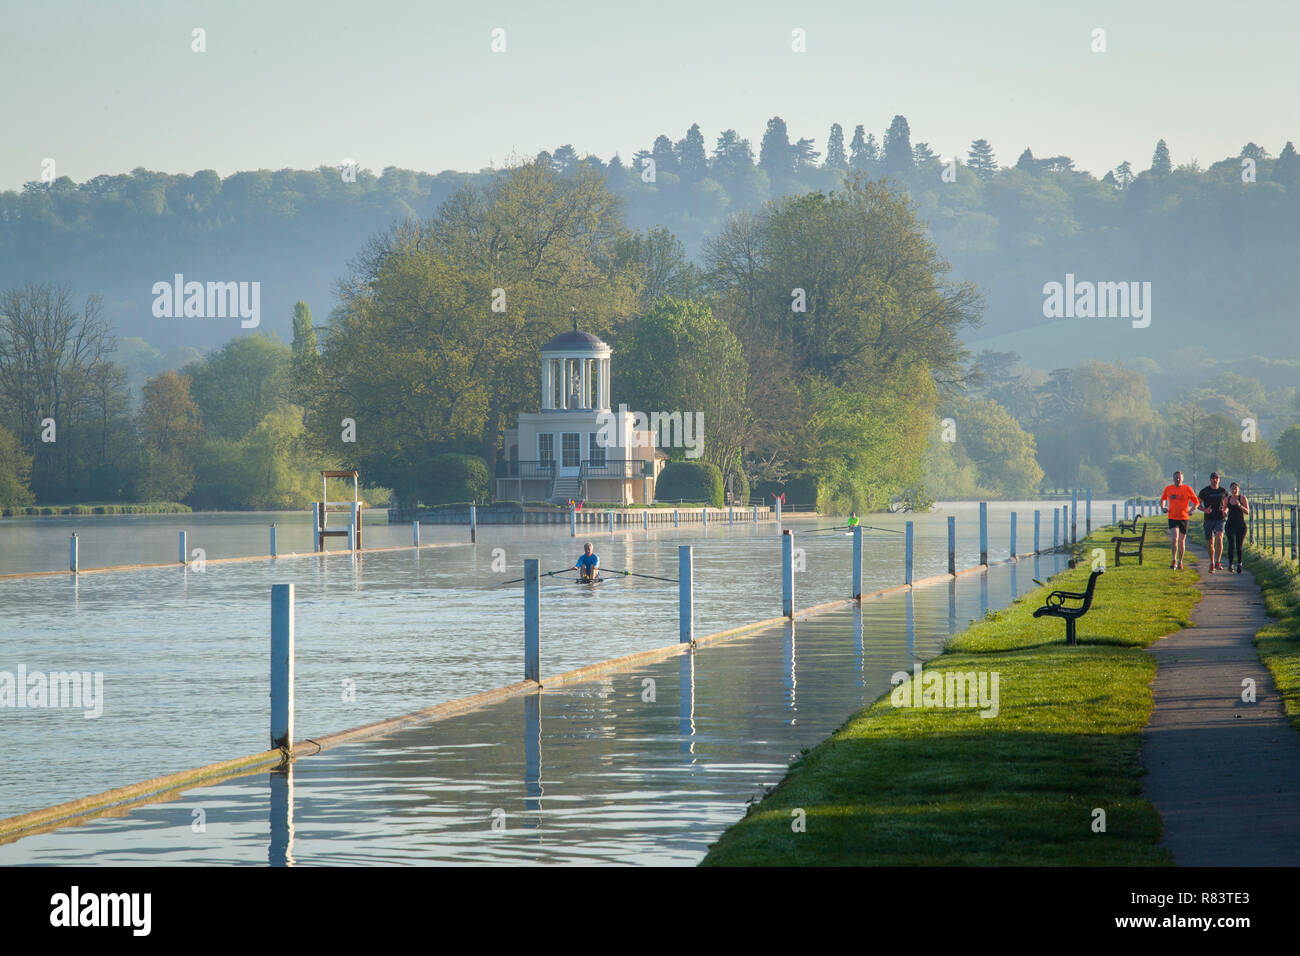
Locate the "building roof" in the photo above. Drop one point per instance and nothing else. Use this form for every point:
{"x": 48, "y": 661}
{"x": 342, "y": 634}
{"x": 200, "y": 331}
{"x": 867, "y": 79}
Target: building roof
{"x": 575, "y": 341}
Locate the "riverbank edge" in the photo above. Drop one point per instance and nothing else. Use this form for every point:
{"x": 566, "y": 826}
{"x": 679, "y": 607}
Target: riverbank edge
{"x": 767, "y": 834}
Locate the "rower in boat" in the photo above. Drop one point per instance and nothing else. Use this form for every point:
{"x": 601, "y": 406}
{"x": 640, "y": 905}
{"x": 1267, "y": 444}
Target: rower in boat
{"x": 588, "y": 566}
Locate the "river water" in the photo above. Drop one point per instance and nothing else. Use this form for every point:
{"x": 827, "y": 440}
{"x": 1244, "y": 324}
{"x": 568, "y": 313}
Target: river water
{"x": 183, "y": 652}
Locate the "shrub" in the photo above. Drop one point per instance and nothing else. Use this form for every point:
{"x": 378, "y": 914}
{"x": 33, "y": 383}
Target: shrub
{"x": 690, "y": 481}
{"x": 453, "y": 477}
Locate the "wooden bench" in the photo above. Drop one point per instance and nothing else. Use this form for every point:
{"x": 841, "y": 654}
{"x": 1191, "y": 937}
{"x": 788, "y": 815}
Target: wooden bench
{"x": 1121, "y": 541}
{"x": 1131, "y": 526}
{"x": 1056, "y": 606}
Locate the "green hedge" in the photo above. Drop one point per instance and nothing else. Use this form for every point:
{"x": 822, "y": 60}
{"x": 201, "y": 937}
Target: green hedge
{"x": 803, "y": 488}
{"x": 452, "y": 478}
{"x": 690, "y": 481}
{"x": 151, "y": 508}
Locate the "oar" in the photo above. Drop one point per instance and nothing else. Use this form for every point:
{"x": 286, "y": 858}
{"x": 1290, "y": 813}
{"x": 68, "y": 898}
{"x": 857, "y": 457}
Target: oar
{"x": 541, "y": 574}
{"x": 637, "y": 574}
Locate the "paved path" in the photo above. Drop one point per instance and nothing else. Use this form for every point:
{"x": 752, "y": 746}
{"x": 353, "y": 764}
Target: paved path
{"x": 1224, "y": 774}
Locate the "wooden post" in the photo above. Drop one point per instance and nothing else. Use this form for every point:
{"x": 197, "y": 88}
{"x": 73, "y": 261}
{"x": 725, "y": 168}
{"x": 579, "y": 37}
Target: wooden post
{"x": 685, "y": 595}
{"x": 787, "y": 574}
{"x": 184, "y": 552}
{"x": 273, "y": 548}
{"x": 984, "y": 532}
{"x": 855, "y": 580}
{"x": 952, "y": 545}
{"x": 1038, "y": 516}
{"x": 532, "y": 621}
{"x": 907, "y": 554}
{"x": 473, "y": 523}
{"x": 281, "y": 666}
{"x": 74, "y": 559}
{"x": 1013, "y": 535}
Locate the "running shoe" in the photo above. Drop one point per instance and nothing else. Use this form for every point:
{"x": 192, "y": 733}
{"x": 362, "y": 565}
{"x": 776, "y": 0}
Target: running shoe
{"x": 1238, "y": 568}
{"x": 1173, "y": 565}
{"x": 1180, "y": 565}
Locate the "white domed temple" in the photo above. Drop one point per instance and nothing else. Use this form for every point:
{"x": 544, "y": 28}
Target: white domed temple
{"x": 576, "y": 447}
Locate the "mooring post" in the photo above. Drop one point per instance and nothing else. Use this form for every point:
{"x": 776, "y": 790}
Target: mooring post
{"x": 415, "y": 533}
{"x": 1037, "y": 523}
{"x": 984, "y": 532}
{"x": 281, "y": 666}
{"x": 685, "y": 595}
{"x": 74, "y": 559}
{"x": 315, "y": 526}
{"x": 532, "y": 622}
{"x": 855, "y": 580}
{"x": 908, "y": 540}
{"x": 573, "y": 520}
{"x": 1013, "y": 535}
{"x": 273, "y": 551}
{"x": 1074, "y": 516}
{"x": 704, "y": 517}
{"x": 184, "y": 555}
{"x": 1114, "y": 513}
{"x": 1056, "y": 529}
{"x": 754, "y": 516}
{"x": 787, "y": 573}
{"x": 645, "y": 520}
{"x": 778, "y": 513}
{"x": 1087, "y": 513}
{"x": 609, "y": 520}
{"x": 473, "y": 523}
{"x": 1294, "y": 529}
{"x": 952, "y": 545}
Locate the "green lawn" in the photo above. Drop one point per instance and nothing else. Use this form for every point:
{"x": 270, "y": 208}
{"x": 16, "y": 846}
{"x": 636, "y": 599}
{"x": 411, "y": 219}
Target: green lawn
{"x": 1278, "y": 641}
{"x": 938, "y": 786}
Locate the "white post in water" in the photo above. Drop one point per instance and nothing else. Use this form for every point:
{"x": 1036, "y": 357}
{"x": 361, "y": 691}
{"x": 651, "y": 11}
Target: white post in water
{"x": 1087, "y": 512}
{"x": 907, "y": 553}
{"x": 1037, "y": 521}
{"x": 952, "y": 544}
{"x": 184, "y": 554}
{"x": 984, "y": 532}
{"x": 787, "y": 573}
{"x": 731, "y": 515}
{"x": 609, "y": 520}
{"x": 281, "y": 666}
{"x": 1114, "y": 513}
{"x": 532, "y": 622}
{"x": 352, "y": 528}
{"x": 1056, "y": 528}
{"x": 677, "y": 519}
{"x": 315, "y": 526}
{"x": 754, "y": 516}
{"x": 74, "y": 562}
{"x": 415, "y": 533}
{"x": 778, "y": 513}
{"x": 645, "y": 520}
{"x": 573, "y": 520}
{"x": 273, "y": 551}
{"x": 1074, "y": 516}
{"x": 1013, "y": 534}
{"x": 704, "y": 517}
{"x": 473, "y": 523}
{"x": 685, "y": 594}
{"x": 855, "y": 580}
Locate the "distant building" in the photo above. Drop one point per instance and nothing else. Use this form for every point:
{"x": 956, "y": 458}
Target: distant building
{"x": 559, "y": 453}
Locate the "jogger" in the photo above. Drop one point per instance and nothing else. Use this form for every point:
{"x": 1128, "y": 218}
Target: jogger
{"x": 1235, "y": 528}
{"x": 1176, "y": 501}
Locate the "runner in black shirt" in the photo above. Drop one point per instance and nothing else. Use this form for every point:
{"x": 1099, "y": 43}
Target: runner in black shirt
{"x": 1238, "y": 508}
{"x": 1214, "y": 502}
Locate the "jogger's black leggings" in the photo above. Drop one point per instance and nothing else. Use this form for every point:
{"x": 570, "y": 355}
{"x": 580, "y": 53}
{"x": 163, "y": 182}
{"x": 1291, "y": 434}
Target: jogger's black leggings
{"x": 1235, "y": 537}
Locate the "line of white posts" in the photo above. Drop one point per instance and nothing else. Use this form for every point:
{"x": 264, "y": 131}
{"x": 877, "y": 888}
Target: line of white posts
{"x": 282, "y": 600}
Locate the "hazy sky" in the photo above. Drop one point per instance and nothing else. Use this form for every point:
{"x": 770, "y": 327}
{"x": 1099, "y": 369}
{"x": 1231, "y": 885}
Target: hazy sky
{"x": 106, "y": 86}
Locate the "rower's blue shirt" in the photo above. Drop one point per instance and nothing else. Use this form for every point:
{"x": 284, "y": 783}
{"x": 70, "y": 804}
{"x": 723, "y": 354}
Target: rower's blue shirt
{"x": 590, "y": 561}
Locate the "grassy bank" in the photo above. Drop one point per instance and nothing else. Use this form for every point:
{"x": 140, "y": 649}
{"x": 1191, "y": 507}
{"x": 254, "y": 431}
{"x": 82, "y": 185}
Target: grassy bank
{"x": 1278, "y": 642}
{"x": 935, "y": 786}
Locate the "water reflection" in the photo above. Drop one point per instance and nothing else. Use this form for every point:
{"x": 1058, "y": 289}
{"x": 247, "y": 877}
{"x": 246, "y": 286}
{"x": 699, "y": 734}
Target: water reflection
{"x": 859, "y": 653}
{"x": 910, "y": 614}
{"x": 280, "y": 850}
{"x": 791, "y": 673}
{"x": 686, "y": 709}
{"x": 533, "y": 791}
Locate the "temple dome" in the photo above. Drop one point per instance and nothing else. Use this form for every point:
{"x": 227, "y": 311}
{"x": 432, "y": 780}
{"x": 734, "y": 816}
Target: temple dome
{"x": 575, "y": 341}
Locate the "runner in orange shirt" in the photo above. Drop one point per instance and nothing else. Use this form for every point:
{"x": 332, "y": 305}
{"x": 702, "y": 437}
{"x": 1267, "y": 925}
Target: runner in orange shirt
{"x": 1181, "y": 499}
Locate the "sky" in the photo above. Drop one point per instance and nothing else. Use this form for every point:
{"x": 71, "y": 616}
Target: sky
{"x": 111, "y": 85}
